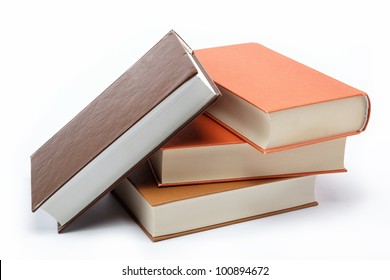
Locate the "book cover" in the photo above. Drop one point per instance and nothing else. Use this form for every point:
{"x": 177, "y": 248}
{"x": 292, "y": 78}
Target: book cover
{"x": 277, "y": 103}
{"x": 134, "y": 116}
{"x": 170, "y": 212}
{"x": 205, "y": 152}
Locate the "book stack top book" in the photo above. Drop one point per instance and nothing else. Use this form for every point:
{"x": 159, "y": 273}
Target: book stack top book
{"x": 277, "y": 103}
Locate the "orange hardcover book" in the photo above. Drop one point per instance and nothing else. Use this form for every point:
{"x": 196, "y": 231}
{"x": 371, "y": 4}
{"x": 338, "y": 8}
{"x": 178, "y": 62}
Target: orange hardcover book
{"x": 170, "y": 212}
{"x": 276, "y": 103}
{"x": 205, "y": 152}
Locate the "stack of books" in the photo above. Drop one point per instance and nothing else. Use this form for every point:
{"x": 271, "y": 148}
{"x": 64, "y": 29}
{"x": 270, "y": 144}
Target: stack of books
{"x": 192, "y": 140}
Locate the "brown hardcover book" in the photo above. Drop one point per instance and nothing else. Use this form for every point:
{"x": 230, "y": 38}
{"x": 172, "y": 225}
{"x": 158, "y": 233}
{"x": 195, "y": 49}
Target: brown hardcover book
{"x": 205, "y": 152}
{"x": 169, "y": 212}
{"x": 276, "y": 103}
{"x": 156, "y": 97}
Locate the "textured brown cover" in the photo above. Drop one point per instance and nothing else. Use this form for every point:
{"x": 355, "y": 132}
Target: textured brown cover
{"x": 151, "y": 79}
{"x": 146, "y": 186}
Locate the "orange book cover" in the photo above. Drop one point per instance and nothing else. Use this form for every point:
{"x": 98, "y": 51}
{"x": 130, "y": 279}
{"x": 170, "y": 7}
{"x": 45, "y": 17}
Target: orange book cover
{"x": 205, "y": 152}
{"x": 272, "y": 82}
{"x": 202, "y": 132}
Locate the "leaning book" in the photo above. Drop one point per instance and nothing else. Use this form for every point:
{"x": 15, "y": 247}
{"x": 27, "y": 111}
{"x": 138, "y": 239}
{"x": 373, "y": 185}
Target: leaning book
{"x": 120, "y": 129}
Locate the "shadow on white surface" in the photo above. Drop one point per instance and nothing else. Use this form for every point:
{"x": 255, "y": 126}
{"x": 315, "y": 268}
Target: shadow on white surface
{"x": 104, "y": 214}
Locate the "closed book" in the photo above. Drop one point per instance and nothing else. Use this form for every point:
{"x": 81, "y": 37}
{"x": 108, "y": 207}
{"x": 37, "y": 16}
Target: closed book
{"x": 277, "y": 103}
{"x": 170, "y": 212}
{"x": 174, "y": 211}
{"x": 156, "y": 97}
{"x": 205, "y": 152}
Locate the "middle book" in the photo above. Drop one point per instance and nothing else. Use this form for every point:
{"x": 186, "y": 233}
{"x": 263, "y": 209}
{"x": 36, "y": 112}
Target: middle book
{"x": 206, "y": 152}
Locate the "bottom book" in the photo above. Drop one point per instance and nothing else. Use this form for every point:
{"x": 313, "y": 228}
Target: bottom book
{"x": 173, "y": 211}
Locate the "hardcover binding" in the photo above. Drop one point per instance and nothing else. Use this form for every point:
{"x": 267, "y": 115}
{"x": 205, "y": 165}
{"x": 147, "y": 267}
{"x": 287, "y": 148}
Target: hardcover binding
{"x": 290, "y": 175}
{"x": 282, "y": 148}
{"x": 61, "y": 228}
{"x": 168, "y": 236}
{"x": 110, "y": 115}
{"x": 249, "y": 70}
{"x": 256, "y": 68}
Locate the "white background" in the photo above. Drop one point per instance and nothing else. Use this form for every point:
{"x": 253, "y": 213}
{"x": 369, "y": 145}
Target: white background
{"x": 56, "y": 58}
